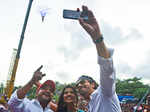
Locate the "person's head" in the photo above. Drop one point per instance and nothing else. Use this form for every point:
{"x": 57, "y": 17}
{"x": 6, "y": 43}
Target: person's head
{"x": 45, "y": 91}
{"x": 68, "y": 96}
{"x": 3, "y": 101}
{"x": 86, "y": 85}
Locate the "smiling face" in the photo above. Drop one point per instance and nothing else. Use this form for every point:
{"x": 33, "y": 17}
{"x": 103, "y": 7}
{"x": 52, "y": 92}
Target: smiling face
{"x": 85, "y": 88}
{"x": 69, "y": 95}
{"x": 45, "y": 94}
{"x": 68, "y": 99}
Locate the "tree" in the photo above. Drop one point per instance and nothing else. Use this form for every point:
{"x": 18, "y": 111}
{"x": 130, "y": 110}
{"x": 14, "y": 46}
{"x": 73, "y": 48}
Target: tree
{"x": 1, "y": 88}
{"x": 131, "y": 86}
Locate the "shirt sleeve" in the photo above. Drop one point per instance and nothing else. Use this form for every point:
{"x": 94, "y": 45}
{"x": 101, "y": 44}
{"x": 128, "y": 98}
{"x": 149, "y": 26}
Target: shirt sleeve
{"x": 15, "y": 103}
{"x": 107, "y": 74}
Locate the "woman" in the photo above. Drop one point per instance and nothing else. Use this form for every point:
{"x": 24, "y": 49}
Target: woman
{"x": 68, "y": 100}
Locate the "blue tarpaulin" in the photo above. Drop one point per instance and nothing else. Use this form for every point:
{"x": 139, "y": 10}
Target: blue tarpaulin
{"x": 125, "y": 97}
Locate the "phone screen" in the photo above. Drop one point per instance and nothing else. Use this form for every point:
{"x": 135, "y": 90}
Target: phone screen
{"x": 71, "y": 14}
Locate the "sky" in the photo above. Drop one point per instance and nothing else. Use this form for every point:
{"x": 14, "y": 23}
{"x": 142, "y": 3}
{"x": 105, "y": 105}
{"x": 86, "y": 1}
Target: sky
{"x": 62, "y": 46}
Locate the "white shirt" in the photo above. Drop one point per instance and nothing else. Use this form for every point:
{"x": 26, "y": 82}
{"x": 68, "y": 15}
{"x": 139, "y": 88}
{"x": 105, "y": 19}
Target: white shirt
{"x": 104, "y": 98}
{"x": 26, "y": 105}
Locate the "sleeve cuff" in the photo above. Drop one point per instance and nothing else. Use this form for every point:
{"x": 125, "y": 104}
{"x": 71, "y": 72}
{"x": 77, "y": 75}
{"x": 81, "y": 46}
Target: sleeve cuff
{"x": 102, "y": 60}
{"x": 16, "y": 97}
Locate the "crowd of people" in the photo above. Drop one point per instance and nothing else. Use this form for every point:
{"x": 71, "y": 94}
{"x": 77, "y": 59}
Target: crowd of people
{"x": 133, "y": 108}
{"x": 98, "y": 98}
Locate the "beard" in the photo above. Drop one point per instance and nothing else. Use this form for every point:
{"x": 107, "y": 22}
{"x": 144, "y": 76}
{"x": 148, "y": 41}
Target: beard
{"x": 83, "y": 93}
{"x": 44, "y": 100}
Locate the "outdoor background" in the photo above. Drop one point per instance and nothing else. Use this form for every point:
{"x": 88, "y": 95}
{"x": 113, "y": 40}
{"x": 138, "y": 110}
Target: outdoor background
{"x": 65, "y": 49}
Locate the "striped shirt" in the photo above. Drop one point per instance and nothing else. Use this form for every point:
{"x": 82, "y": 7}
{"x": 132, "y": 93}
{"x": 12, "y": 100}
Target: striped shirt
{"x": 104, "y": 98}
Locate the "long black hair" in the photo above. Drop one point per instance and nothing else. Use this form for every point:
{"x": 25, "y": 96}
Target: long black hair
{"x": 62, "y": 106}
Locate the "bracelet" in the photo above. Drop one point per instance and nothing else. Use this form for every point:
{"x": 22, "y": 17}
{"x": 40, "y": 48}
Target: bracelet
{"x": 99, "y": 40}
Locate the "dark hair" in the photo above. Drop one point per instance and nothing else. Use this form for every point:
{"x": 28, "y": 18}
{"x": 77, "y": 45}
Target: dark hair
{"x": 62, "y": 106}
{"x": 89, "y": 79}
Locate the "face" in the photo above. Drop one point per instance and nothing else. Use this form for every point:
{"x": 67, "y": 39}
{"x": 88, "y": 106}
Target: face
{"x": 69, "y": 96}
{"x": 84, "y": 87}
{"x": 45, "y": 94}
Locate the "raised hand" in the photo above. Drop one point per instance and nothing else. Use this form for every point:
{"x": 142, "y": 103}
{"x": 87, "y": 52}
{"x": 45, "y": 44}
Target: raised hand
{"x": 90, "y": 25}
{"x": 38, "y": 75}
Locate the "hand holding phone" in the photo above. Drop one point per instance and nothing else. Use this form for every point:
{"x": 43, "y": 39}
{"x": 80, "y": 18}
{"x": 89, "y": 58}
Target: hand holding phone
{"x": 72, "y": 14}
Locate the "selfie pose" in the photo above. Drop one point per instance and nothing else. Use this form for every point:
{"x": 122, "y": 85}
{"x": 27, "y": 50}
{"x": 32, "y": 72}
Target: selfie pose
{"x": 104, "y": 98}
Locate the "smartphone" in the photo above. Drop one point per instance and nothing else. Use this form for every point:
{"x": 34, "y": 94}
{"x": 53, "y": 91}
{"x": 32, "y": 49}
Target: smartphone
{"x": 72, "y": 14}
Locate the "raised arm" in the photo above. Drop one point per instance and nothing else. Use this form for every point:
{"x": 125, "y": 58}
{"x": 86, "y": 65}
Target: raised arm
{"x": 36, "y": 77}
{"x": 107, "y": 74}
{"x": 92, "y": 28}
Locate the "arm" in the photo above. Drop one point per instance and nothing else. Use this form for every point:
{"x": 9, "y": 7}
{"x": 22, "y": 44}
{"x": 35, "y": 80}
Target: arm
{"x": 105, "y": 60}
{"x": 23, "y": 91}
{"x": 107, "y": 75}
{"x": 92, "y": 28}
{"x": 36, "y": 77}
{"x": 17, "y": 100}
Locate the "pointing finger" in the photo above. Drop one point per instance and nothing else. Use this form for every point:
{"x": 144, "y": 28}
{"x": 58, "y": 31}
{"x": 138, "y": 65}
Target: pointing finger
{"x": 40, "y": 68}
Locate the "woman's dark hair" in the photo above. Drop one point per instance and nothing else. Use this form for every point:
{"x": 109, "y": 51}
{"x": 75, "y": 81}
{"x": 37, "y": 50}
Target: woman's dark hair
{"x": 62, "y": 106}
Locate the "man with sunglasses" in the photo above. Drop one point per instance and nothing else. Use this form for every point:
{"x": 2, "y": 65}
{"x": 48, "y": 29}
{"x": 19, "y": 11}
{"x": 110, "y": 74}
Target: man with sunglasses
{"x": 44, "y": 93}
{"x": 102, "y": 98}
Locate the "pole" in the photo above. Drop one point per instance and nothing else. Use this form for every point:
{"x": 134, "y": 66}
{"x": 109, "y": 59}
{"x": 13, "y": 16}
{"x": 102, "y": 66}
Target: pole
{"x": 19, "y": 50}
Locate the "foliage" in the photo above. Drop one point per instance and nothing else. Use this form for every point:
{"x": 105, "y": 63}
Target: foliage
{"x": 32, "y": 93}
{"x": 131, "y": 86}
{"x": 1, "y": 88}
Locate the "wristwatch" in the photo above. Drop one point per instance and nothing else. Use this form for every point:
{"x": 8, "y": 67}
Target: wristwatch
{"x": 99, "y": 40}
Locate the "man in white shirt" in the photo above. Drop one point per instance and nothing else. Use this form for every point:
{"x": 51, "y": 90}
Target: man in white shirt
{"x": 104, "y": 98}
{"x": 44, "y": 93}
